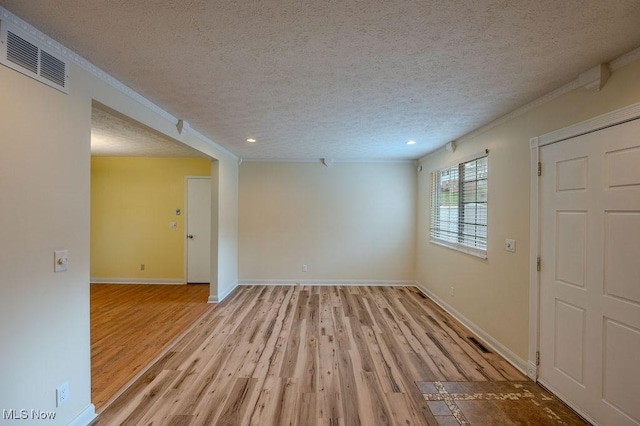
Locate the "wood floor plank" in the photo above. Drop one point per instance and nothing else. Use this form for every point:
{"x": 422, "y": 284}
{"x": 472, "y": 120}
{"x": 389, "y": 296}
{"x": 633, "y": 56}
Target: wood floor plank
{"x": 447, "y": 329}
{"x": 455, "y": 361}
{"x": 379, "y": 409}
{"x": 398, "y": 346}
{"x": 132, "y": 324}
{"x": 306, "y": 355}
{"x": 329, "y": 405}
{"x": 268, "y": 353}
{"x": 267, "y": 405}
{"x": 383, "y": 368}
{"x": 237, "y": 402}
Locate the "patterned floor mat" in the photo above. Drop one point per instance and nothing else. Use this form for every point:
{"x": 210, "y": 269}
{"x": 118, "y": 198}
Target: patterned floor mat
{"x": 495, "y": 403}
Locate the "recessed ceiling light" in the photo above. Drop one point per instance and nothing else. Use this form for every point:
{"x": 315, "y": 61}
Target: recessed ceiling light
{"x": 412, "y": 142}
{"x": 251, "y": 140}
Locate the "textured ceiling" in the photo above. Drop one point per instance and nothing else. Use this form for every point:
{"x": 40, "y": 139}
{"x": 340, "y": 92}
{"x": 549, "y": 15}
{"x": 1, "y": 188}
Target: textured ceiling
{"x": 351, "y": 79}
{"x": 113, "y": 135}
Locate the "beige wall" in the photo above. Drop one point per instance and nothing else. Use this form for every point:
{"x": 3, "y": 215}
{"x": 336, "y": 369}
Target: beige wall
{"x": 44, "y": 182}
{"x": 350, "y": 221}
{"x": 225, "y": 220}
{"x": 347, "y": 222}
{"x": 493, "y": 293}
{"x": 45, "y": 187}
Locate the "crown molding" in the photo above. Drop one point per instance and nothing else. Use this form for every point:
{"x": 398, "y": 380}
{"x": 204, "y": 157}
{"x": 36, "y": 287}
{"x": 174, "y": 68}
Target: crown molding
{"x": 510, "y": 116}
{"x": 625, "y": 60}
{"x": 614, "y": 65}
{"x": 333, "y": 161}
{"x": 199, "y": 135}
{"x": 81, "y": 62}
{"x": 78, "y": 60}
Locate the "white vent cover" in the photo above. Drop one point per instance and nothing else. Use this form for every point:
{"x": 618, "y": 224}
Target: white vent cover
{"x": 19, "y": 52}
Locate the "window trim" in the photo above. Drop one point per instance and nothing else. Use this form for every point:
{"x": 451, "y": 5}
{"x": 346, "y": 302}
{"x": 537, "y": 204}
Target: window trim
{"x": 477, "y": 252}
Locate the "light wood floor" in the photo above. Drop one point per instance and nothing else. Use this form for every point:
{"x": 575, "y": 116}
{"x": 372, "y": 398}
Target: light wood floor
{"x": 308, "y": 355}
{"x": 132, "y": 324}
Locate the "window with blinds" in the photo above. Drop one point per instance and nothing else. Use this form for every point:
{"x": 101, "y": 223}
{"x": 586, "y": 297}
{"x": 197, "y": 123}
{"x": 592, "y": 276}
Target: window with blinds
{"x": 459, "y": 207}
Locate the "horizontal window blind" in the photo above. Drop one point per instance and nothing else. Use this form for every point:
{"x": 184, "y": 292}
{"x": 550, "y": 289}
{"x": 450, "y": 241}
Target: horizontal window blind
{"x": 459, "y": 206}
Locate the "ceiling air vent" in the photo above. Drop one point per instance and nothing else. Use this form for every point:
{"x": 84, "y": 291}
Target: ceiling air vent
{"x": 19, "y": 52}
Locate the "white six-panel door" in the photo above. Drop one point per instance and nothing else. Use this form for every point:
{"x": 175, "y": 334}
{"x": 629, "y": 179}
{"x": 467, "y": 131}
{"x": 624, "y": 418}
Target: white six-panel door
{"x": 590, "y": 273}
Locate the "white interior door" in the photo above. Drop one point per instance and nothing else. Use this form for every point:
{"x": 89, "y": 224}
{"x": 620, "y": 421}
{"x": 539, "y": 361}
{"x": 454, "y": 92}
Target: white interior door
{"x": 198, "y": 229}
{"x": 590, "y": 273}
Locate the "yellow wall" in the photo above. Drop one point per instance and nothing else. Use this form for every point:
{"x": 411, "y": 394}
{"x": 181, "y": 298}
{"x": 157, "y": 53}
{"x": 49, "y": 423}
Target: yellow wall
{"x": 133, "y": 199}
{"x": 493, "y": 293}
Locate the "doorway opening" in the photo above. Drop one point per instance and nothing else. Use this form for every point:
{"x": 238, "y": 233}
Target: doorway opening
{"x": 139, "y": 240}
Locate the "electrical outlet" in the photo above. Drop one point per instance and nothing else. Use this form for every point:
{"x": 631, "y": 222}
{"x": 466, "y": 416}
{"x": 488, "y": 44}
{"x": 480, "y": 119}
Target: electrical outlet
{"x": 304, "y": 268}
{"x": 452, "y": 291}
{"x": 62, "y": 393}
{"x": 142, "y": 266}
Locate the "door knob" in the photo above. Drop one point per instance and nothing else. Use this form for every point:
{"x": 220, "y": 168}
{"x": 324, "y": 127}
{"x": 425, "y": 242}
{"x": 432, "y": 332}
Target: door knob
{"x": 190, "y": 237}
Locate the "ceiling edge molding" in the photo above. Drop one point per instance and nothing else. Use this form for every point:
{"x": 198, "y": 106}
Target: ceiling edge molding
{"x": 614, "y": 65}
{"x": 625, "y": 60}
{"x": 572, "y": 85}
{"x": 212, "y": 143}
{"x": 510, "y": 116}
{"x": 333, "y": 161}
{"x": 63, "y": 51}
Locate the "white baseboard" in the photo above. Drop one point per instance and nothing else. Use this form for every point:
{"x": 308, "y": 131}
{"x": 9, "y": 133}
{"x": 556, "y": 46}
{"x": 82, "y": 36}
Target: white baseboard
{"x": 330, "y": 282}
{"x": 221, "y": 296}
{"x": 497, "y": 347}
{"x": 86, "y": 417}
{"x": 165, "y": 281}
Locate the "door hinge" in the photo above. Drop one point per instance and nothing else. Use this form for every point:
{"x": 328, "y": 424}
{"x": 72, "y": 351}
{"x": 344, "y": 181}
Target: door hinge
{"x": 538, "y": 264}
{"x": 537, "y": 358}
{"x": 539, "y": 168}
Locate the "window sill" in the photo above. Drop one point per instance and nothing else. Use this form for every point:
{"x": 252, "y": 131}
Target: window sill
{"x": 482, "y": 254}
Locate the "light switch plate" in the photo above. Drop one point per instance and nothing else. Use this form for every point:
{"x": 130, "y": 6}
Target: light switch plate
{"x": 60, "y": 260}
{"x": 173, "y": 225}
{"x": 510, "y": 245}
